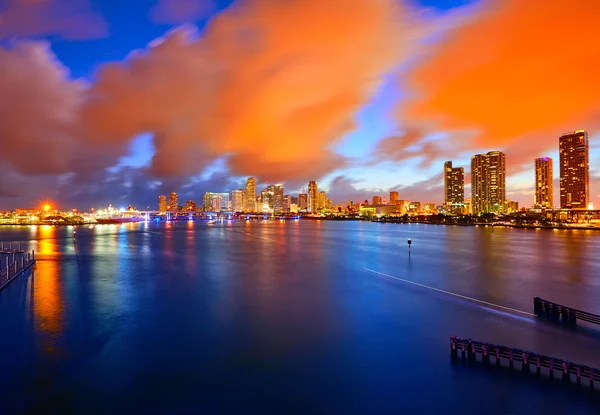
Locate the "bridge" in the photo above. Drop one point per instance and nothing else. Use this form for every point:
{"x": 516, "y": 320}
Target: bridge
{"x": 190, "y": 215}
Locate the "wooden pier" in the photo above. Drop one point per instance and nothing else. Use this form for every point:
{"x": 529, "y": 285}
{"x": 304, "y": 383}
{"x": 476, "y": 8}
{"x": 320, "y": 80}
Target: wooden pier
{"x": 487, "y": 351}
{"x": 7, "y": 248}
{"x": 15, "y": 266}
{"x": 557, "y": 312}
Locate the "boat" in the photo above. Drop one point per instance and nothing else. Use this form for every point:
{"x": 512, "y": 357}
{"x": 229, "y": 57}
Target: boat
{"x": 211, "y": 222}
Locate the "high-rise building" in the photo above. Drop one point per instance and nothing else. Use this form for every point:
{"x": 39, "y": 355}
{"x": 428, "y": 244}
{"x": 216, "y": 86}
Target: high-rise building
{"x": 376, "y": 200}
{"x": 250, "y": 205}
{"x": 190, "y": 206}
{"x": 162, "y": 203}
{"x": 278, "y": 206}
{"x": 237, "y": 200}
{"x": 488, "y": 182}
{"x": 454, "y": 188}
{"x": 303, "y": 202}
{"x": 393, "y": 197}
{"x": 574, "y": 170}
{"x": 216, "y": 202}
{"x": 267, "y": 197}
{"x": 322, "y": 199}
{"x": 544, "y": 187}
{"x": 173, "y": 201}
{"x": 313, "y": 196}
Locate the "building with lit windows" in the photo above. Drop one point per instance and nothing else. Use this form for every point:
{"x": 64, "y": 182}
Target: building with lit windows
{"x": 278, "y": 203}
{"x": 267, "y": 197}
{"x": 376, "y": 200}
{"x": 574, "y": 170}
{"x": 488, "y": 183}
{"x": 544, "y": 186}
{"x": 454, "y": 188}
{"x": 322, "y": 199}
{"x": 313, "y": 197}
{"x": 173, "y": 201}
{"x": 216, "y": 202}
{"x": 393, "y": 197}
{"x": 250, "y": 205}
{"x": 190, "y": 206}
{"x": 237, "y": 200}
{"x": 162, "y": 203}
{"x": 303, "y": 202}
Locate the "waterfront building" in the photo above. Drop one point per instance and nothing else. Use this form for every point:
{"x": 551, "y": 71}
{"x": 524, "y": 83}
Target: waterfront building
{"x": 544, "y": 186}
{"x": 173, "y": 201}
{"x": 414, "y": 207}
{"x": 237, "y": 200}
{"x": 278, "y": 205}
{"x": 250, "y": 205}
{"x": 190, "y": 206}
{"x": 430, "y": 208}
{"x": 303, "y": 202}
{"x": 574, "y": 170}
{"x": 216, "y": 202}
{"x": 454, "y": 188}
{"x": 322, "y": 199}
{"x": 162, "y": 203}
{"x": 393, "y": 197}
{"x": 294, "y": 200}
{"x": 267, "y": 198}
{"x": 376, "y": 200}
{"x": 488, "y": 182}
{"x": 313, "y": 196}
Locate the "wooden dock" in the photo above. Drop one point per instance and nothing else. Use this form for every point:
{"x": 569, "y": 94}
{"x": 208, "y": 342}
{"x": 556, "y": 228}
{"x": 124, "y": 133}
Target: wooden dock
{"x": 16, "y": 267}
{"x": 547, "y": 364}
{"x": 557, "y": 312}
{"x": 7, "y": 248}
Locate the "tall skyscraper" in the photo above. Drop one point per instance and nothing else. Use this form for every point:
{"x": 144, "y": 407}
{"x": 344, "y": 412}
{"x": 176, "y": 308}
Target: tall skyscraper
{"x": 303, "y": 202}
{"x": 544, "y": 186}
{"x": 488, "y": 182}
{"x": 376, "y": 200}
{"x": 393, "y": 198}
{"x": 313, "y": 196}
{"x": 237, "y": 200}
{"x": 162, "y": 203}
{"x": 574, "y": 170}
{"x": 454, "y": 188}
{"x": 278, "y": 205}
{"x": 267, "y": 197}
{"x": 250, "y": 205}
{"x": 173, "y": 201}
{"x": 322, "y": 199}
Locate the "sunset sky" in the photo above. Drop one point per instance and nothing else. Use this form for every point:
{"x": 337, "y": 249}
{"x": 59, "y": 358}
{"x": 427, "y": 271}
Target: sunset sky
{"x": 102, "y": 103}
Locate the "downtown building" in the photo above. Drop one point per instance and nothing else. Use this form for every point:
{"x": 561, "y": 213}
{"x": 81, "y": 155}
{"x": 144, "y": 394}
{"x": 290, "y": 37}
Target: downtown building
{"x": 544, "y": 185}
{"x": 250, "y": 201}
{"x": 488, "y": 183}
{"x": 313, "y": 197}
{"x": 162, "y": 203}
{"x": 454, "y": 188}
{"x": 237, "y": 200}
{"x": 574, "y": 170}
{"x": 173, "y": 202}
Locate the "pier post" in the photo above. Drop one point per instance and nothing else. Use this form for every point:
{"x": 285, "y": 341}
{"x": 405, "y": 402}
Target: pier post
{"x": 551, "y": 368}
{"x": 592, "y": 378}
{"x": 462, "y": 344}
{"x": 538, "y": 366}
{"x": 578, "y": 370}
{"x": 10, "y": 245}
{"x": 511, "y": 359}
{"x": 28, "y": 256}
{"x": 486, "y": 355}
{"x": 453, "y": 350}
{"x": 497, "y": 356}
{"x": 564, "y": 315}
{"x": 33, "y": 255}
{"x": 19, "y": 246}
{"x": 565, "y": 374}
{"x": 525, "y": 367}
{"x": 469, "y": 351}
{"x": 22, "y": 262}
{"x": 537, "y": 306}
{"x": 3, "y": 245}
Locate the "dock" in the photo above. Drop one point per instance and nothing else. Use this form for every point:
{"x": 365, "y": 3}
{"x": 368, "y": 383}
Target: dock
{"x": 558, "y": 312}
{"x": 8, "y": 249}
{"x": 541, "y": 363}
{"x": 14, "y": 266}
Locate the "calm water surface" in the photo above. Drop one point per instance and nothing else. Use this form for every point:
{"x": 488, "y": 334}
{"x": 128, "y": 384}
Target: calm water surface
{"x": 285, "y": 317}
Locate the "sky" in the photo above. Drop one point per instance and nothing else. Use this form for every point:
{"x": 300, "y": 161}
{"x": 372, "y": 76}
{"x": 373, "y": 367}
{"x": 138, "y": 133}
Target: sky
{"x": 102, "y": 103}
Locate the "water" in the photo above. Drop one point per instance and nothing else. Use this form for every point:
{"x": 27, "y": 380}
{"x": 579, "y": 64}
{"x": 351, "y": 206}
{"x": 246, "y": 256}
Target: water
{"x": 283, "y": 317}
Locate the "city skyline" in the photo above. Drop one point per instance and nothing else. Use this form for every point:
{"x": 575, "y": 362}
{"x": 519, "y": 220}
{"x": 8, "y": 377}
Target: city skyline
{"x": 114, "y": 116}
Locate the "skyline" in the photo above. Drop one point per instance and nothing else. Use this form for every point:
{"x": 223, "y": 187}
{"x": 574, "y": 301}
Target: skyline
{"x": 110, "y": 115}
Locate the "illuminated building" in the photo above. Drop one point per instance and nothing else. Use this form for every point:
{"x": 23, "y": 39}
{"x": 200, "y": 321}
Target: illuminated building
{"x": 215, "y": 202}
{"x": 313, "y": 197}
{"x": 173, "y": 201}
{"x": 376, "y": 200}
{"x": 287, "y": 202}
{"x": 267, "y": 197}
{"x": 430, "y": 208}
{"x": 488, "y": 182}
{"x": 302, "y": 202}
{"x": 393, "y": 198}
{"x": 544, "y": 187}
{"x": 414, "y": 207}
{"x": 237, "y": 200}
{"x": 190, "y": 206}
{"x": 574, "y": 170}
{"x": 162, "y": 203}
{"x": 454, "y": 188}
{"x": 250, "y": 205}
{"x": 322, "y": 199}
{"x": 278, "y": 198}
{"x": 294, "y": 200}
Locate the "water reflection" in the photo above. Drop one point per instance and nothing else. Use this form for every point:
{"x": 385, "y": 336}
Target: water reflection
{"x": 48, "y": 307}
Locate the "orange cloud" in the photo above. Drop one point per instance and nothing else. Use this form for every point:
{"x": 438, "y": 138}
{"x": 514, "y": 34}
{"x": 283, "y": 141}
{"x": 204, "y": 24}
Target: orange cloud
{"x": 272, "y": 84}
{"x": 518, "y": 71}
{"x": 72, "y": 20}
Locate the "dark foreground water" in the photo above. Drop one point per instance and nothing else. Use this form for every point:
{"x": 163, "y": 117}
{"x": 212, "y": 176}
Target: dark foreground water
{"x": 284, "y": 317}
